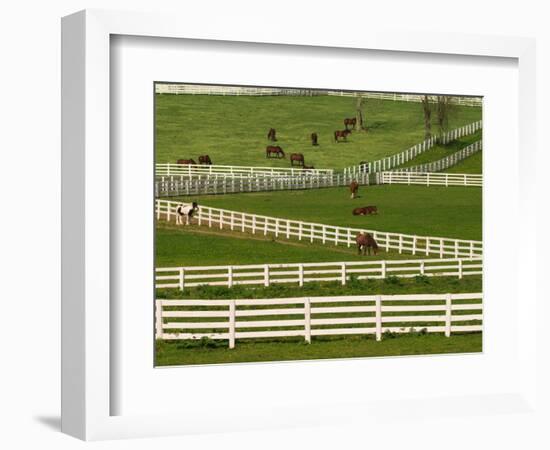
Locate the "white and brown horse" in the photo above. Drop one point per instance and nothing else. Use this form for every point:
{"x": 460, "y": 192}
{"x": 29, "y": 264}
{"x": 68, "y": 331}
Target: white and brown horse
{"x": 186, "y": 211}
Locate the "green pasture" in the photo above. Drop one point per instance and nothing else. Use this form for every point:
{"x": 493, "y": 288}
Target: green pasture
{"x": 472, "y": 164}
{"x": 233, "y": 129}
{"x": 178, "y": 353}
{"x": 453, "y": 212}
{"x": 441, "y": 151}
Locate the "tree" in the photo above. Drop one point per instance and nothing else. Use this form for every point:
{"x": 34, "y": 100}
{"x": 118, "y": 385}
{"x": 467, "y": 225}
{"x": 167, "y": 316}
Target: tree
{"x": 360, "y": 124}
{"x": 443, "y": 110}
{"x": 427, "y": 107}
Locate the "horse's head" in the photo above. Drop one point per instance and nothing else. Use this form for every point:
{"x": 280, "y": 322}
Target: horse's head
{"x": 195, "y": 205}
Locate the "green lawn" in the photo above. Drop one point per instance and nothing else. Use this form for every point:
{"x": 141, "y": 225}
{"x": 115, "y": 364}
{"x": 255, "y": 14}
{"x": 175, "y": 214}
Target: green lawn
{"x": 183, "y": 246}
{"x": 232, "y": 129}
{"x": 178, "y": 353}
{"x": 441, "y": 151}
{"x": 473, "y": 164}
{"x": 453, "y": 212}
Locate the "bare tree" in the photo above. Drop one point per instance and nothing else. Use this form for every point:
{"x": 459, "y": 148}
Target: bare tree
{"x": 360, "y": 123}
{"x": 443, "y": 111}
{"x": 427, "y": 107}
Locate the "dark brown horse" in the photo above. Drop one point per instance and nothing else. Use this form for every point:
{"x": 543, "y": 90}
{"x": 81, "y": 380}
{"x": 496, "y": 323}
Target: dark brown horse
{"x": 298, "y": 157}
{"x": 274, "y": 152}
{"x": 186, "y": 161}
{"x": 205, "y": 159}
{"x": 354, "y": 188}
{"x": 365, "y": 211}
{"x": 365, "y": 242}
{"x": 271, "y": 135}
{"x": 314, "y": 139}
{"x": 350, "y": 122}
{"x": 341, "y": 134}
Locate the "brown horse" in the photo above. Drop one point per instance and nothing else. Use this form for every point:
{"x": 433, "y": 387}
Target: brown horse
{"x": 341, "y": 134}
{"x": 365, "y": 242}
{"x": 298, "y": 157}
{"x": 354, "y": 188}
{"x": 271, "y": 134}
{"x": 205, "y": 159}
{"x": 365, "y": 211}
{"x": 314, "y": 139}
{"x": 276, "y": 151}
{"x": 351, "y": 122}
{"x": 187, "y": 161}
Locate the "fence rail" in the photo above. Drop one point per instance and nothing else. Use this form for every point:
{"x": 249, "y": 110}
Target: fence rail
{"x": 169, "y": 169}
{"x": 317, "y": 316}
{"x": 326, "y": 234}
{"x": 398, "y": 159}
{"x": 447, "y": 162}
{"x": 176, "y": 185}
{"x": 260, "y": 91}
{"x": 300, "y": 273}
{"x": 431, "y": 178}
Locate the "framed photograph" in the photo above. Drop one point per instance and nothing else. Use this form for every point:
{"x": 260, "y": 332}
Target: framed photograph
{"x": 266, "y": 231}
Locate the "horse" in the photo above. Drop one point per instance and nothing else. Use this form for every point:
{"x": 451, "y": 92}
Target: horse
{"x": 205, "y": 159}
{"x": 271, "y": 135}
{"x": 341, "y": 134}
{"x": 274, "y": 150}
{"x": 365, "y": 211}
{"x": 365, "y": 242}
{"x": 298, "y": 157}
{"x": 185, "y": 210}
{"x": 187, "y": 161}
{"x": 314, "y": 139}
{"x": 351, "y": 122}
{"x": 354, "y": 188}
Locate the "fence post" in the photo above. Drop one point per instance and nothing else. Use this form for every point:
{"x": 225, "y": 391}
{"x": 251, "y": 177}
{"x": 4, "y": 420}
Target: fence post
{"x": 422, "y": 267}
{"x": 400, "y": 243}
{"x": 324, "y": 233}
{"x": 276, "y": 227}
{"x": 427, "y": 246}
{"x": 232, "y": 220}
{"x": 221, "y": 220}
{"x": 383, "y": 268}
{"x": 229, "y": 276}
{"x": 158, "y": 319}
{"x": 266, "y": 275}
{"x": 378, "y": 307}
{"x": 344, "y": 274}
{"x": 288, "y": 229}
{"x": 448, "y": 314}
{"x": 301, "y": 274}
{"x": 232, "y": 324}
{"x": 414, "y": 245}
{"x": 349, "y": 238}
{"x": 182, "y": 278}
{"x": 307, "y": 320}
{"x": 460, "y": 269}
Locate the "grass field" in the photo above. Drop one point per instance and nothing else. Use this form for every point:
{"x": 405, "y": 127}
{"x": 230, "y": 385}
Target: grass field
{"x": 473, "y": 164}
{"x": 441, "y": 151}
{"x": 232, "y": 129}
{"x": 174, "y": 353}
{"x": 453, "y": 212}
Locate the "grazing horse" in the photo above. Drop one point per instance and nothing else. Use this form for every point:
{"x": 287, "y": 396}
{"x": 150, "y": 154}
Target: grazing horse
{"x": 271, "y": 135}
{"x": 205, "y": 159}
{"x": 365, "y": 211}
{"x": 365, "y": 242}
{"x": 354, "y": 188}
{"x": 341, "y": 134}
{"x": 187, "y": 161}
{"x": 298, "y": 157}
{"x": 185, "y": 210}
{"x": 274, "y": 150}
{"x": 351, "y": 122}
{"x": 314, "y": 139}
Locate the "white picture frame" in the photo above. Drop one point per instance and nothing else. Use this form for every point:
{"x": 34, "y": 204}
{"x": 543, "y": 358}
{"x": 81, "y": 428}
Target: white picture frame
{"x": 87, "y": 354}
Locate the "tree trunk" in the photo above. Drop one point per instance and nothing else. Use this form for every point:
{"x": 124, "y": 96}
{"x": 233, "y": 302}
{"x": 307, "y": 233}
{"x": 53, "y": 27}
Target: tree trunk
{"x": 359, "y": 121}
{"x": 427, "y": 117}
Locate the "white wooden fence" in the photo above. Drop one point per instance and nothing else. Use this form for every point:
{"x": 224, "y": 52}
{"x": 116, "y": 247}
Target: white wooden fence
{"x": 326, "y": 234}
{"x": 317, "y": 316}
{"x": 448, "y": 161}
{"x": 398, "y": 159}
{"x": 300, "y": 273}
{"x": 431, "y": 178}
{"x": 169, "y": 169}
{"x": 176, "y": 185}
{"x": 262, "y": 91}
